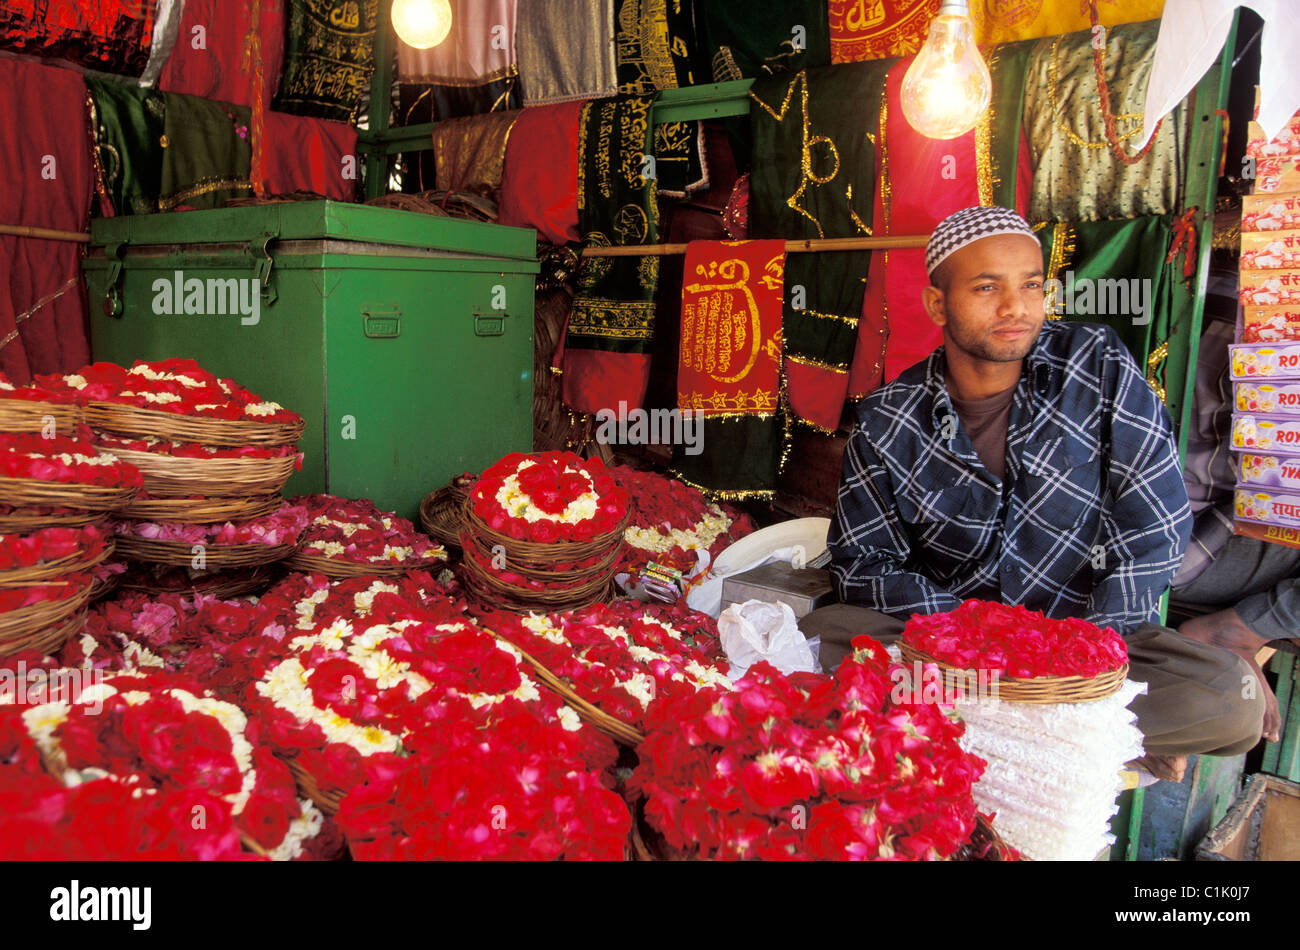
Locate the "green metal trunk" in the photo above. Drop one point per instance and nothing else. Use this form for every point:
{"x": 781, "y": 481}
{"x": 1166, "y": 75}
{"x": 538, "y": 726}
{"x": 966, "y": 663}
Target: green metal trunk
{"x": 405, "y": 340}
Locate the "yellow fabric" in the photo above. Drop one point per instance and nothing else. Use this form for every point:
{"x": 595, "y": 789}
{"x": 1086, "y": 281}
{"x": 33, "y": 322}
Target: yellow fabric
{"x": 1005, "y": 21}
{"x": 470, "y": 152}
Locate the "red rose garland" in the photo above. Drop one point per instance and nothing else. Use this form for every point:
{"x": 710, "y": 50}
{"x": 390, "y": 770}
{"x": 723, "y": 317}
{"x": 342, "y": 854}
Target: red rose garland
{"x": 155, "y": 733}
{"x": 674, "y": 525}
{"x": 808, "y": 767}
{"x": 1016, "y": 642}
{"x": 550, "y": 496}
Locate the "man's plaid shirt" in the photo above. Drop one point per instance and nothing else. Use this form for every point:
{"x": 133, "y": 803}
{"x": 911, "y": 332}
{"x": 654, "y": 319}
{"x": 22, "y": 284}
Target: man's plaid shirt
{"x": 1092, "y": 518}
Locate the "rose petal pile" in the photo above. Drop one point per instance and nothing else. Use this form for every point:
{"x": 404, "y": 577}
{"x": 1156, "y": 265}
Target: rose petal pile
{"x": 31, "y": 392}
{"x": 60, "y": 459}
{"x": 808, "y": 767}
{"x": 1013, "y": 641}
{"x": 358, "y": 532}
{"x": 548, "y": 497}
{"x": 158, "y": 732}
{"x": 50, "y": 544}
{"x": 674, "y": 525}
{"x": 623, "y": 656}
{"x": 285, "y": 525}
{"x": 179, "y": 386}
{"x": 65, "y": 588}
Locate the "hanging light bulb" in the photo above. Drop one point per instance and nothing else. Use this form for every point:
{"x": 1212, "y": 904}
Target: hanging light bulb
{"x": 422, "y": 23}
{"x": 947, "y": 87}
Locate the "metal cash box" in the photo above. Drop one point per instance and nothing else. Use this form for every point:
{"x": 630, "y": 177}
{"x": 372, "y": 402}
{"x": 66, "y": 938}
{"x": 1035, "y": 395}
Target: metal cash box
{"x": 405, "y": 340}
{"x": 803, "y": 589}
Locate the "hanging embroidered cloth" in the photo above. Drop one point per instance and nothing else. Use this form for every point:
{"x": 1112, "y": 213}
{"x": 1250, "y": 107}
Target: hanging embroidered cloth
{"x": 539, "y": 188}
{"x": 42, "y": 295}
{"x": 206, "y": 156}
{"x": 128, "y": 125}
{"x": 1005, "y": 21}
{"x": 329, "y": 56}
{"x": 1114, "y": 272}
{"x": 470, "y": 152}
{"x": 566, "y": 50}
{"x": 112, "y": 36}
{"x": 1078, "y": 178}
{"x": 606, "y": 350}
{"x": 816, "y": 130}
{"x": 923, "y": 181}
{"x": 749, "y": 40}
{"x": 210, "y": 56}
{"x": 877, "y": 29}
{"x": 679, "y": 158}
{"x": 729, "y": 367}
{"x": 474, "y": 70}
{"x": 656, "y": 45}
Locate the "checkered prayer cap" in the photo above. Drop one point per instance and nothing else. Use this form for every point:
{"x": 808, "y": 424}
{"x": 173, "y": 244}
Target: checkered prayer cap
{"x": 969, "y": 225}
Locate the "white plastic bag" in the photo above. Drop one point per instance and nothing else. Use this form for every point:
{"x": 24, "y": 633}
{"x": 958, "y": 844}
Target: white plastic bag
{"x": 760, "y": 631}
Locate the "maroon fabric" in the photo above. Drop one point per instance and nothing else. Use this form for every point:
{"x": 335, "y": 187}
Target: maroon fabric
{"x": 539, "y": 187}
{"x": 51, "y": 139}
{"x": 218, "y": 70}
{"x": 306, "y": 154}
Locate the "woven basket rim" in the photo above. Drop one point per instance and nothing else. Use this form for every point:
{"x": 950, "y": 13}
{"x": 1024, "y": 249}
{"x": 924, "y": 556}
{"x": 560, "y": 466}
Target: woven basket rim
{"x": 1040, "y": 689}
{"x": 605, "y": 567}
{"x": 201, "y": 510}
{"x": 518, "y": 598}
{"x": 33, "y": 618}
{"x": 51, "y": 570}
{"x": 135, "y": 420}
{"x": 48, "y": 640}
{"x": 325, "y": 565}
{"x": 446, "y": 500}
{"x": 610, "y": 725}
{"x": 37, "y": 492}
{"x": 559, "y": 550}
{"x": 307, "y": 785}
{"x": 181, "y": 553}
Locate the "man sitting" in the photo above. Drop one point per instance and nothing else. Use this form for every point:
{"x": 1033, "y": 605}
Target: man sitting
{"x": 1032, "y": 464}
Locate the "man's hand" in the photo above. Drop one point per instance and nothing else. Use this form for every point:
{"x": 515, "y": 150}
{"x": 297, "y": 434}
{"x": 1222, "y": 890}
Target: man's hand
{"x": 1226, "y": 629}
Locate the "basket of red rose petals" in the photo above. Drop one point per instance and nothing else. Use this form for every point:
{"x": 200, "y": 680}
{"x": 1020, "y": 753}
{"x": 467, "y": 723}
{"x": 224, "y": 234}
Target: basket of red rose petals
{"x": 1035, "y": 659}
{"x": 33, "y": 409}
{"x": 157, "y": 579}
{"x": 170, "y": 469}
{"x": 543, "y": 531}
{"x": 50, "y": 553}
{"x": 41, "y": 615}
{"x": 175, "y": 400}
{"x": 348, "y": 537}
{"x": 62, "y": 473}
{"x": 221, "y": 547}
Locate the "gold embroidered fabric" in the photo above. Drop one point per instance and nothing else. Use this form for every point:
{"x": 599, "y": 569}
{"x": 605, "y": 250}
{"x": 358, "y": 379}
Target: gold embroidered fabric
{"x": 469, "y": 152}
{"x": 1076, "y": 177}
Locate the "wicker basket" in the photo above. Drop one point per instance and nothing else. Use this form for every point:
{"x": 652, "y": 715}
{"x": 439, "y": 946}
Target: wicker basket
{"x": 20, "y": 415}
{"x": 611, "y": 726}
{"x": 49, "y": 640}
{"x": 53, "y": 570}
{"x": 131, "y": 421}
{"x": 307, "y": 787}
{"x": 201, "y": 510}
{"x": 25, "y": 521}
{"x": 31, "y": 492}
{"x": 221, "y": 477}
{"x": 217, "y": 557}
{"x": 442, "y": 515}
{"x": 223, "y": 586}
{"x": 100, "y": 589}
{"x": 337, "y": 569}
{"x": 36, "y": 625}
{"x": 536, "y": 561}
{"x": 1040, "y": 689}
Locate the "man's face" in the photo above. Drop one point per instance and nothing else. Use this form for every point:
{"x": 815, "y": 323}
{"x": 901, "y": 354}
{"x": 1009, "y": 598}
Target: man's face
{"x": 989, "y": 301}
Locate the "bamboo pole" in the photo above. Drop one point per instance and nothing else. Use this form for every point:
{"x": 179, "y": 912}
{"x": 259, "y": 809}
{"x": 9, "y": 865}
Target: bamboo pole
{"x": 813, "y": 245}
{"x": 81, "y": 237}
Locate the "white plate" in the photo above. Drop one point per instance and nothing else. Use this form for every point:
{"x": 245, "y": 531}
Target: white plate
{"x": 809, "y": 532}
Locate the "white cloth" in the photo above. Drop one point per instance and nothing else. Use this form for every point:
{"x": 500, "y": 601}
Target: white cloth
{"x": 1192, "y": 33}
